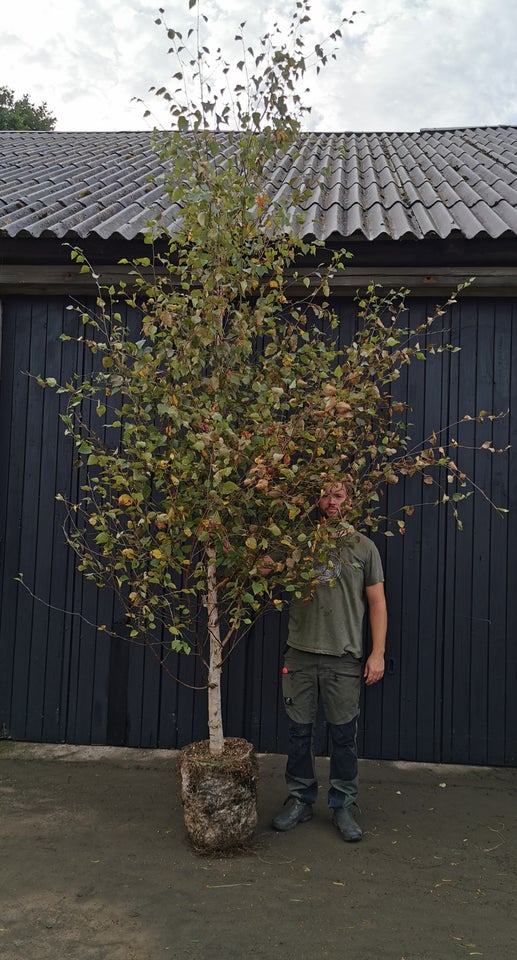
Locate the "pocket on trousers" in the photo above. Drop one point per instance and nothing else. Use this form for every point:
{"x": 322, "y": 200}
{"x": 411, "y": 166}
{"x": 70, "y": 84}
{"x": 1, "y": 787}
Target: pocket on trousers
{"x": 300, "y": 696}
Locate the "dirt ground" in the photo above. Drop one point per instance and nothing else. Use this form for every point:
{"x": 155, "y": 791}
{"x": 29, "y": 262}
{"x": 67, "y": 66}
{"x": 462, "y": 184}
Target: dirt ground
{"x": 95, "y": 866}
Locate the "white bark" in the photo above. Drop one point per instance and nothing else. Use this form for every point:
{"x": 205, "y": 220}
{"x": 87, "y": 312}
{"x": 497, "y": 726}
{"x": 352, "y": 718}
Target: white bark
{"x": 215, "y": 718}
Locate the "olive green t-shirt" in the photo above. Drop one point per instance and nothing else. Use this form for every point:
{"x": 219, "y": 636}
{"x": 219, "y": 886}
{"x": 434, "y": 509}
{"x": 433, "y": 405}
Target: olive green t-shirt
{"x": 331, "y": 622}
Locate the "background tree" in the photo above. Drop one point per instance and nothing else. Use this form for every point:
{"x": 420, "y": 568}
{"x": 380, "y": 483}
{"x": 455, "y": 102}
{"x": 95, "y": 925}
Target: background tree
{"x": 229, "y": 406}
{"x": 22, "y": 114}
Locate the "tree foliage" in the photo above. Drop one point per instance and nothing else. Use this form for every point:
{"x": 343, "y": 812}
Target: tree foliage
{"x": 222, "y": 417}
{"x": 22, "y": 114}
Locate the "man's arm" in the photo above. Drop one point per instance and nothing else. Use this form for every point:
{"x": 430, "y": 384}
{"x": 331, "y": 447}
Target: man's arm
{"x": 378, "y": 616}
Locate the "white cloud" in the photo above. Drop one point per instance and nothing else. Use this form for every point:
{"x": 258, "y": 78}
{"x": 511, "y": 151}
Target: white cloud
{"x": 404, "y": 64}
{"x": 438, "y": 63}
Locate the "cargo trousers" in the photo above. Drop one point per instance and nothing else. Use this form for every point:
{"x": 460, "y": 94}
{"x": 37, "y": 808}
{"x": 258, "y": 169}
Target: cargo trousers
{"x": 307, "y": 680}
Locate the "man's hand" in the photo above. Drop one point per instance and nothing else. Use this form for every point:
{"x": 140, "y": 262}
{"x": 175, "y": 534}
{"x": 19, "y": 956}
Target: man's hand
{"x": 374, "y": 668}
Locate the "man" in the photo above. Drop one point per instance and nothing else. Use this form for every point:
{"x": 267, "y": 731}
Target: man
{"x": 323, "y": 661}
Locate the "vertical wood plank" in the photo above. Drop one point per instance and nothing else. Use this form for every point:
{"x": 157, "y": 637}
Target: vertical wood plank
{"x": 452, "y": 663}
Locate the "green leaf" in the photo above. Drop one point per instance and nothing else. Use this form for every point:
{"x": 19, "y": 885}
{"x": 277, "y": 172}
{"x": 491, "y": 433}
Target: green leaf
{"x": 229, "y": 487}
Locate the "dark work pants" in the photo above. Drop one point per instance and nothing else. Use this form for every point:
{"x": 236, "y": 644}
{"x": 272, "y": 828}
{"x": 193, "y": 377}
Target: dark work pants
{"x": 336, "y": 681}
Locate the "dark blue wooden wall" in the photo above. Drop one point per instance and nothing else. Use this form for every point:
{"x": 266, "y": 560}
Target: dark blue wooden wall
{"x": 449, "y": 692}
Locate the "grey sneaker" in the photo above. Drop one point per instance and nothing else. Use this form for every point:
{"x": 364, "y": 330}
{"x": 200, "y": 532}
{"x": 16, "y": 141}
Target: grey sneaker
{"x": 296, "y": 811}
{"x": 348, "y": 828}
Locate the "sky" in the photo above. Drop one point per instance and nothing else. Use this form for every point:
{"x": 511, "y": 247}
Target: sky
{"x": 402, "y": 64}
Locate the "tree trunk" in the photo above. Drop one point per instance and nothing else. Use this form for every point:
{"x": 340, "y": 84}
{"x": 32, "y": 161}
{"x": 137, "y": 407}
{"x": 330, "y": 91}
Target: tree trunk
{"x": 215, "y": 719}
{"x": 218, "y": 776}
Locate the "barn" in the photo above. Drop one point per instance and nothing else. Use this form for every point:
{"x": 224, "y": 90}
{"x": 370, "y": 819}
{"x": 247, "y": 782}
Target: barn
{"x": 424, "y": 210}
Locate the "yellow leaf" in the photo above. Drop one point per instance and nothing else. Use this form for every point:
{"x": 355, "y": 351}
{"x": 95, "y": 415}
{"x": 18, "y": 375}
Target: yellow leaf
{"x": 157, "y": 554}
{"x": 125, "y": 500}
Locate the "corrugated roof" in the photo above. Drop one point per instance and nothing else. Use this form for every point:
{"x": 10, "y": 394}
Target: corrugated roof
{"x": 431, "y": 184}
